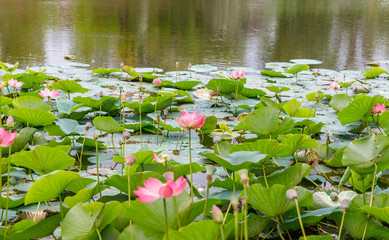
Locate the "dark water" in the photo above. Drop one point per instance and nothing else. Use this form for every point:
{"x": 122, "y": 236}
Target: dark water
{"x": 344, "y": 34}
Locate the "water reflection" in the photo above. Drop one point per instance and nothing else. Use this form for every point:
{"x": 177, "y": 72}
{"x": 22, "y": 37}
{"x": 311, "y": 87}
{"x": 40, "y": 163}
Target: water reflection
{"x": 342, "y": 33}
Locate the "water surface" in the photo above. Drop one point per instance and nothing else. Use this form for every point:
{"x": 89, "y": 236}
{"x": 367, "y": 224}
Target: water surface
{"x": 344, "y": 34}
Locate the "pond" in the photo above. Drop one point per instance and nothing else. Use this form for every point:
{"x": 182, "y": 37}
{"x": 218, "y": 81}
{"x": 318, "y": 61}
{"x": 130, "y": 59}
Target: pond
{"x": 344, "y": 34}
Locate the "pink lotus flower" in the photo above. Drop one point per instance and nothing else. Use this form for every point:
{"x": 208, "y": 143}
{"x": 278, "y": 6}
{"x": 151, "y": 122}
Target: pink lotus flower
{"x": 154, "y": 189}
{"x": 157, "y": 82}
{"x": 49, "y": 94}
{"x": 156, "y": 158}
{"x": 334, "y": 86}
{"x": 378, "y": 108}
{"x": 190, "y": 120}
{"x": 238, "y": 75}
{"x": 6, "y": 138}
{"x": 14, "y": 83}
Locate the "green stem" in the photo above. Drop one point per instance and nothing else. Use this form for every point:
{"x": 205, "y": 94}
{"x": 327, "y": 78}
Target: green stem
{"x": 233, "y": 194}
{"x": 341, "y": 224}
{"x": 206, "y": 200}
{"x": 129, "y": 185}
{"x": 98, "y": 233}
{"x": 140, "y": 119}
{"x": 113, "y": 144}
{"x": 371, "y": 200}
{"x": 367, "y": 125}
{"x": 7, "y": 201}
{"x": 246, "y": 231}
{"x": 264, "y": 175}
{"x": 300, "y": 220}
{"x": 36, "y": 212}
{"x": 177, "y": 213}
{"x": 82, "y": 150}
{"x": 190, "y": 166}
{"x": 166, "y": 222}
{"x": 101, "y": 103}
{"x": 97, "y": 170}
{"x": 236, "y": 224}
{"x": 279, "y": 231}
{"x": 221, "y": 231}
{"x": 163, "y": 133}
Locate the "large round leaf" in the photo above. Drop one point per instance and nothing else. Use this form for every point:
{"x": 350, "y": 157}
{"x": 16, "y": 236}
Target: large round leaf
{"x": 31, "y": 102}
{"x": 358, "y": 109}
{"x": 361, "y": 154}
{"x": 50, "y": 186}
{"x": 43, "y": 159}
{"x": 107, "y": 124}
{"x": 34, "y": 117}
{"x": 68, "y": 86}
{"x": 237, "y": 160}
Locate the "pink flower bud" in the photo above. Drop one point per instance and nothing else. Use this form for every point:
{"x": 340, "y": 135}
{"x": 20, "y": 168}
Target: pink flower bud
{"x": 88, "y": 126}
{"x": 157, "y": 82}
{"x": 216, "y": 139}
{"x": 130, "y": 159}
{"x": 334, "y": 196}
{"x": 235, "y": 202}
{"x": 126, "y": 135}
{"x": 101, "y": 93}
{"x": 10, "y": 122}
{"x": 95, "y": 135}
{"x": 244, "y": 177}
{"x": 345, "y": 203}
{"x": 217, "y": 214}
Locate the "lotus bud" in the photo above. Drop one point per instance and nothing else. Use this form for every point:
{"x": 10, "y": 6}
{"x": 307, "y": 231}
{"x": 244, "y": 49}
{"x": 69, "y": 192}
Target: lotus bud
{"x": 130, "y": 159}
{"x": 242, "y": 200}
{"x": 217, "y": 214}
{"x": 120, "y": 142}
{"x": 10, "y": 122}
{"x": 2, "y": 85}
{"x": 345, "y": 203}
{"x": 88, "y": 126}
{"x": 126, "y": 135}
{"x": 157, "y": 82}
{"x": 140, "y": 78}
{"x": 168, "y": 175}
{"x": 244, "y": 177}
{"x": 280, "y": 88}
{"x": 123, "y": 99}
{"x": 235, "y": 202}
{"x": 158, "y": 118}
{"x": 190, "y": 65}
{"x": 50, "y": 83}
{"x": 165, "y": 112}
{"x": 291, "y": 194}
{"x": 101, "y": 94}
{"x": 95, "y": 135}
{"x": 176, "y": 64}
{"x": 334, "y": 196}
{"x": 317, "y": 96}
{"x": 216, "y": 139}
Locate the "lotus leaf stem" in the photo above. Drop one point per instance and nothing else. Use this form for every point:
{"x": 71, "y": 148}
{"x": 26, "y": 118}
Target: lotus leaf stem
{"x": 236, "y": 224}
{"x": 206, "y": 199}
{"x": 371, "y": 200}
{"x": 129, "y": 184}
{"x": 98, "y": 233}
{"x": 36, "y": 212}
{"x": 82, "y": 149}
{"x": 7, "y": 200}
{"x": 246, "y": 208}
{"x": 264, "y": 175}
{"x": 190, "y": 165}
{"x": 164, "y": 129}
{"x": 221, "y": 231}
{"x": 97, "y": 169}
{"x": 166, "y": 222}
{"x": 300, "y": 220}
{"x": 279, "y": 232}
{"x": 113, "y": 145}
{"x": 233, "y": 194}
{"x": 341, "y": 224}
{"x": 177, "y": 213}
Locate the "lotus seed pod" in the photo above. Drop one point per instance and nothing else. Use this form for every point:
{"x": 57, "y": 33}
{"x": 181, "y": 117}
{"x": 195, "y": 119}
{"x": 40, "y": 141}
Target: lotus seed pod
{"x": 168, "y": 175}
{"x": 210, "y": 170}
{"x": 334, "y": 196}
{"x": 10, "y": 122}
{"x": 130, "y": 159}
{"x": 164, "y": 157}
{"x": 345, "y": 203}
{"x": 88, "y": 126}
{"x": 291, "y": 194}
{"x": 244, "y": 177}
{"x": 216, "y": 139}
{"x": 50, "y": 83}
{"x": 217, "y": 214}
{"x": 126, "y": 135}
{"x": 95, "y": 135}
{"x": 235, "y": 202}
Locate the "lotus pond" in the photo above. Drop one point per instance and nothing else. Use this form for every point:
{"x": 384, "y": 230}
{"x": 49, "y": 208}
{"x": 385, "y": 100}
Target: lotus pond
{"x": 292, "y": 151}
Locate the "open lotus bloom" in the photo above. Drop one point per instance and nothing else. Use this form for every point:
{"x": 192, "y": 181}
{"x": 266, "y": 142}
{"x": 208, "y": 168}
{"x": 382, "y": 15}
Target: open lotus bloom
{"x": 378, "y": 108}
{"x": 334, "y": 86}
{"x": 238, "y": 74}
{"x": 14, "y": 83}
{"x": 191, "y": 120}
{"x": 48, "y": 94}
{"x": 154, "y": 189}
{"x": 6, "y": 138}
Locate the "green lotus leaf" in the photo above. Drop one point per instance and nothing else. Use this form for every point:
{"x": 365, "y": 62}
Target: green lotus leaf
{"x": 340, "y": 101}
{"x": 104, "y": 71}
{"x": 225, "y": 86}
{"x": 107, "y": 124}
{"x": 43, "y": 159}
{"x": 33, "y": 117}
{"x": 384, "y": 121}
{"x": 273, "y": 73}
{"x": 202, "y": 230}
{"x": 137, "y": 179}
{"x": 68, "y": 86}
{"x": 270, "y": 147}
{"x": 50, "y": 186}
{"x": 358, "y": 109}
{"x": 31, "y": 80}
{"x": 298, "y": 141}
{"x": 9, "y": 69}
{"x": 186, "y": 85}
{"x": 237, "y": 160}
{"x": 362, "y": 154}
{"x": 252, "y": 92}
{"x": 31, "y": 103}
{"x": 373, "y": 72}
{"x": 272, "y": 200}
{"x": 314, "y": 96}
{"x": 296, "y": 68}
{"x": 277, "y": 89}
